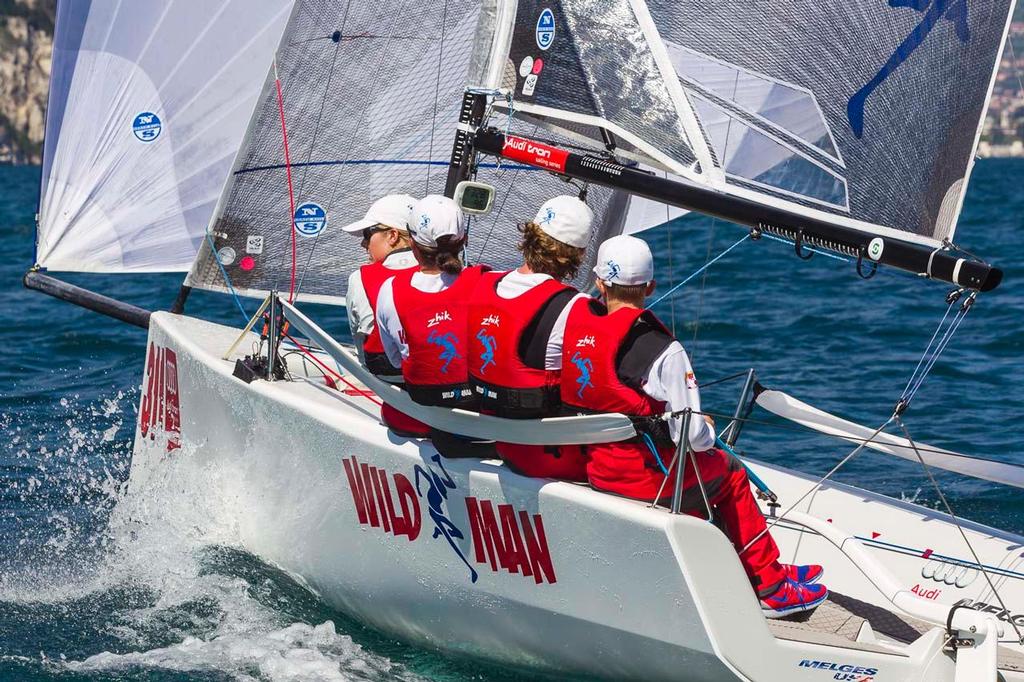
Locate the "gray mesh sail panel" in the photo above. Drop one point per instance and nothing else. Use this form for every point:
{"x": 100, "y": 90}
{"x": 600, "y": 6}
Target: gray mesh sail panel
{"x": 865, "y": 103}
{"x": 597, "y": 64}
{"x": 371, "y": 92}
{"x": 371, "y": 96}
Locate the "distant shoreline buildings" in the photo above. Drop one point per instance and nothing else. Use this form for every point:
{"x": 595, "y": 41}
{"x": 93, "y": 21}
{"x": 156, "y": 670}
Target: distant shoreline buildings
{"x": 1003, "y": 132}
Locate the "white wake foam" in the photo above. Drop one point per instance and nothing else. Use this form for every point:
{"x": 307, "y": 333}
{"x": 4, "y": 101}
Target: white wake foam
{"x": 297, "y": 652}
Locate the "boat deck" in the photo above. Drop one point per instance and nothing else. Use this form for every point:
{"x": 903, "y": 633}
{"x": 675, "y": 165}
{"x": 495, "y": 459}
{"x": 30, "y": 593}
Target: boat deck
{"x": 839, "y": 621}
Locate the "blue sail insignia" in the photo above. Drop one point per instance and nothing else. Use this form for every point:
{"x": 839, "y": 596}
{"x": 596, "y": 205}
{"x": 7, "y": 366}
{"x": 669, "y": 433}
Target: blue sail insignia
{"x": 954, "y": 11}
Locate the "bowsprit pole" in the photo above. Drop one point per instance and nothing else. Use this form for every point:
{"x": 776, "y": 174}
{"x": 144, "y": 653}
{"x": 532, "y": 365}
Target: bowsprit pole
{"x": 801, "y": 229}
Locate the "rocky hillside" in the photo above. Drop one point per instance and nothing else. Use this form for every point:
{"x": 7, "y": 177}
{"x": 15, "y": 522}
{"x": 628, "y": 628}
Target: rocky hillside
{"x": 26, "y": 39}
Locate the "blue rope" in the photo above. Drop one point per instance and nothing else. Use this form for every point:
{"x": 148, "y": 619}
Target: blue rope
{"x": 700, "y": 270}
{"x": 807, "y": 248}
{"x": 754, "y": 478}
{"x": 654, "y": 451}
{"x": 227, "y": 280}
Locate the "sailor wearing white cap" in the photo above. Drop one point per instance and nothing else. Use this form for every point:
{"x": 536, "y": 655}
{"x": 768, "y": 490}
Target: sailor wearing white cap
{"x": 620, "y": 358}
{"x": 516, "y": 320}
{"x": 386, "y": 239}
{"x": 421, "y": 313}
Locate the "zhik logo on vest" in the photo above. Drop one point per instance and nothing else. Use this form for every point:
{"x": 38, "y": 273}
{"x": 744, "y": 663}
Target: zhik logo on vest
{"x": 586, "y": 341}
{"x": 443, "y": 316}
{"x": 491, "y": 319}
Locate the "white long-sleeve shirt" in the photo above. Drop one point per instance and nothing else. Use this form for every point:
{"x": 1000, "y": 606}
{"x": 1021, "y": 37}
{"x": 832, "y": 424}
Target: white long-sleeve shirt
{"x": 360, "y": 312}
{"x": 392, "y": 335}
{"x": 671, "y": 379}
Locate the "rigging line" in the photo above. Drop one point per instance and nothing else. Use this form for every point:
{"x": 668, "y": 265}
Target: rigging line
{"x": 291, "y": 190}
{"x": 437, "y": 89}
{"x": 950, "y": 332}
{"x": 737, "y": 375}
{"x": 700, "y": 270}
{"x": 671, "y": 273}
{"x": 366, "y": 393}
{"x": 956, "y": 521}
{"x": 227, "y": 280}
{"x": 703, "y": 285}
{"x": 316, "y": 131}
{"x": 817, "y": 485}
{"x": 384, "y": 162}
{"x": 508, "y": 192}
{"x": 806, "y": 248}
{"x": 928, "y": 348}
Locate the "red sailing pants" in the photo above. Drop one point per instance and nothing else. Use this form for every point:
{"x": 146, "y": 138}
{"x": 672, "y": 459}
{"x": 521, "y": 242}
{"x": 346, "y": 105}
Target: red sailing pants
{"x": 728, "y": 489}
{"x": 402, "y": 423}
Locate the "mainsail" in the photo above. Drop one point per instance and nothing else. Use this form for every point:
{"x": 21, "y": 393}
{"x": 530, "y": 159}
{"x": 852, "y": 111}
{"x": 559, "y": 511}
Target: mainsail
{"x": 148, "y": 102}
{"x": 862, "y": 115}
{"x": 369, "y": 101}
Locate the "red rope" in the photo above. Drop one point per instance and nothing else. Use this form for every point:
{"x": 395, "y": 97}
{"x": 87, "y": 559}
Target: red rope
{"x": 359, "y": 391}
{"x": 291, "y": 191}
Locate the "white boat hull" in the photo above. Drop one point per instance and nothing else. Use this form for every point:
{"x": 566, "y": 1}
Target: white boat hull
{"x": 566, "y": 579}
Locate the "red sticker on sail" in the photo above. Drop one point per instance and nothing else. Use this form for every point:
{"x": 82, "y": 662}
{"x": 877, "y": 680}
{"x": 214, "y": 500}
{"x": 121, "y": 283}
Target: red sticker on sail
{"x": 534, "y": 153}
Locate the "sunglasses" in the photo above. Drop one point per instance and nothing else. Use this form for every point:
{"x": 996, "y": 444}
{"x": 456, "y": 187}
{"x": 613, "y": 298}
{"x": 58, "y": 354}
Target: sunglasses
{"x": 370, "y": 231}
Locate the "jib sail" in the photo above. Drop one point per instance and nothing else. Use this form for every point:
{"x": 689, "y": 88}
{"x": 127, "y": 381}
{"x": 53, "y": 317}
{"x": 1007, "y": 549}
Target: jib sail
{"x": 147, "y": 106}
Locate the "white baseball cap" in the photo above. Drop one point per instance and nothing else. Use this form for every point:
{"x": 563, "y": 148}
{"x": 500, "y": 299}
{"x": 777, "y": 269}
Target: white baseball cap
{"x": 435, "y": 216}
{"x": 624, "y": 260}
{"x": 566, "y": 219}
{"x": 390, "y": 211}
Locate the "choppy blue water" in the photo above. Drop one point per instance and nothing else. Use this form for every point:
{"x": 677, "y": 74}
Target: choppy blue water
{"x": 82, "y": 599}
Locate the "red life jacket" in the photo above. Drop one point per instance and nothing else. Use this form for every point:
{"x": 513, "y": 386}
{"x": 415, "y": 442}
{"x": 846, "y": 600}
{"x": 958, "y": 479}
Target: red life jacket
{"x": 434, "y": 323}
{"x": 373, "y": 277}
{"x": 504, "y": 384}
{"x": 592, "y": 353}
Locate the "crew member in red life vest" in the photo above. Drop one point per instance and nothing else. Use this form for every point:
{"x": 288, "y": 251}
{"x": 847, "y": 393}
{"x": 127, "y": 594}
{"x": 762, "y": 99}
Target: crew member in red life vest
{"x": 386, "y": 240}
{"x": 516, "y": 322}
{"x": 618, "y": 357}
{"x": 422, "y": 314}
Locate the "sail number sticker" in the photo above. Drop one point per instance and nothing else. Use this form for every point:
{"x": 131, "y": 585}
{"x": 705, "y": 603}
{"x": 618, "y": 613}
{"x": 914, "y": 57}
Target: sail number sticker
{"x": 545, "y": 29}
{"x": 310, "y": 219}
{"x": 146, "y": 126}
{"x": 534, "y": 153}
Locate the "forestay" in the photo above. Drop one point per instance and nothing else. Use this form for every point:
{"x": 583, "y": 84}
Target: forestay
{"x": 147, "y": 106}
{"x": 371, "y": 93}
{"x": 863, "y": 113}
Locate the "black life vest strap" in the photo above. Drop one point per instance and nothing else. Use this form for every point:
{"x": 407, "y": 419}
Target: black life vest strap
{"x": 517, "y": 403}
{"x": 379, "y": 365}
{"x": 533, "y": 344}
{"x": 446, "y": 395}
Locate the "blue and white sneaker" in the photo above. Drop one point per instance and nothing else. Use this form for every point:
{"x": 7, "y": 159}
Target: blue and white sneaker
{"x": 793, "y": 597}
{"x": 807, "y": 574}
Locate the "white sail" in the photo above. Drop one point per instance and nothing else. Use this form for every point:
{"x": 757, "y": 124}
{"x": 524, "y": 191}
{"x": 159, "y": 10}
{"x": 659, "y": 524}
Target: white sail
{"x": 148, "y": 104}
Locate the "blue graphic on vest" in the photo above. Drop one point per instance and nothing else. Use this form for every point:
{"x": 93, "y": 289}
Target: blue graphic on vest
{"x": 146, "y": 126}
{"x": 437, "y": 495}
{"x": 310, "y": 219}
{"x": 545, "y": 29}
{"x": 449, "y": 347}
{"x": 490, "y": 344}
{"x": 954, "y": 11}
{"x": 585, "y": 367}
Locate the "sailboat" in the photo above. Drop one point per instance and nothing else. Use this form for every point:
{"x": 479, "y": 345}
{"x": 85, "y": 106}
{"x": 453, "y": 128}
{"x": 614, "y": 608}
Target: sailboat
{"x": 848, "y": 128}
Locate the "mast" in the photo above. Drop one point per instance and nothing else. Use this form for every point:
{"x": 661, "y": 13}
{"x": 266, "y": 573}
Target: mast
{"x": 803, "y": 230}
